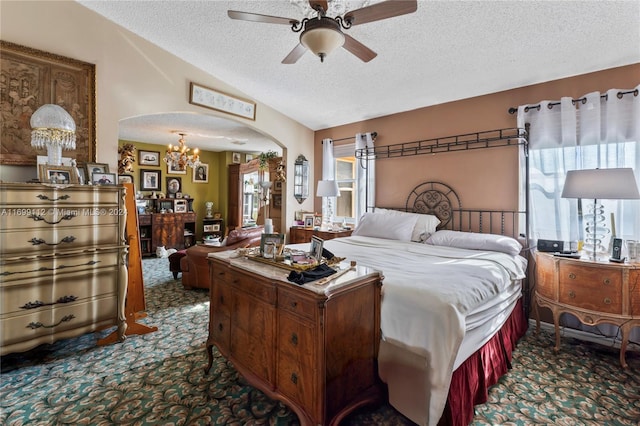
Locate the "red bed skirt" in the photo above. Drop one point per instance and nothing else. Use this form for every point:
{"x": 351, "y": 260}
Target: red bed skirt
{"x": 472, "y": 379}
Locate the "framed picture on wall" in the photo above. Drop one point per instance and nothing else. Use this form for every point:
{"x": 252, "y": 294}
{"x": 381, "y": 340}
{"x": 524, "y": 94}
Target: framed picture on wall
{"x": 150, "y": 180}
{"x": 201, "y": 173}
{"x": 148, "y": 158}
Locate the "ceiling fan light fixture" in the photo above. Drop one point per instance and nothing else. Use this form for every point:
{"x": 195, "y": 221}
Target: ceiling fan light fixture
{"x": 322, "y": 36}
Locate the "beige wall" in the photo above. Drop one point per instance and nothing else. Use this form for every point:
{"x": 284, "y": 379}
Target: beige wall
{"x": 134, "y": 78}
{"x": 483, "y": 178}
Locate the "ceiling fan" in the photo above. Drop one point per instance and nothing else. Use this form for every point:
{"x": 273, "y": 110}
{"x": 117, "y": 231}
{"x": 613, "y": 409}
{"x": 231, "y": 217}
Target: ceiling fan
{"x": 323, "y": 34}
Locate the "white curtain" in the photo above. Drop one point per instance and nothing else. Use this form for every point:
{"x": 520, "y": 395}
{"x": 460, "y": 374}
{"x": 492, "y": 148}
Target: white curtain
{"x": 596, "y": 131}
{"x": 365, "y": 171}
{"x": 328, "y": 171}
{"x": 599, "y": 130}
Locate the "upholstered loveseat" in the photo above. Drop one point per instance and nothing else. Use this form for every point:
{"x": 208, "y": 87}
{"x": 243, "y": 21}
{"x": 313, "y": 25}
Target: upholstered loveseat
{"x": 195, "y": 267}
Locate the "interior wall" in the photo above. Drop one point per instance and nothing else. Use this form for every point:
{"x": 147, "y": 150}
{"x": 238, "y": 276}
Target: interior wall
{"x": 134, "y": 77}
{"x": 486, "y": 178}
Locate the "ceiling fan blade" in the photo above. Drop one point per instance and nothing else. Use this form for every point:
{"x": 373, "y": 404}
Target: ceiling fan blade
{"x": 315, "y": 3}
{"x": 256, "y": 17}
{"x": 295, "y": 54}
{"x": 358, "y": 49}
{"x": 383, "y": 10}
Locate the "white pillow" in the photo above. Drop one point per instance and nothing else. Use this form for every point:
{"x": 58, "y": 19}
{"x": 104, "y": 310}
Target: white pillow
{"x": 426, "y": 224}
{"x": 387, "y": 226}
{"x": 475, "y": 241}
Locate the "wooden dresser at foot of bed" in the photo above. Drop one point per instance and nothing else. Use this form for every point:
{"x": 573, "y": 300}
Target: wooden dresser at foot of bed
{"x": 594, "y": 291}
{"x": 62, "y": 262}
{"x": 314, "y": 351}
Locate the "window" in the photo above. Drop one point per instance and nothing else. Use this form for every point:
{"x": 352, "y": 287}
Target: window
{"x": 346, "y": 179}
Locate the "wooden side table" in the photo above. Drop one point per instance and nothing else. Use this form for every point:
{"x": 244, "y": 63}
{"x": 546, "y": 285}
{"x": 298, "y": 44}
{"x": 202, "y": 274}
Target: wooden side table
{"x": 298, "y": 234}
{"x": 594, "y": 291}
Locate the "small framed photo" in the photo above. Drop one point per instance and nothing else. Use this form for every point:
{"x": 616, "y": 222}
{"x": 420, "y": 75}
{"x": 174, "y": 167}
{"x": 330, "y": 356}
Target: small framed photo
{"x": 214, "y": 227}
{"x": 180, "y": 206}
{"x": 267, "y": 239}
{"x": 174, "y": 186}
{"x": 96, "y": 168}
{"x": 277, "y": 186}
{"x": 57, "y": 174}
{"x": 125, "y": 179}
{"x": 316, "y": 248}
{"x": 235, "y": 158}
{"x": 103, "y": 178}
{"x": 149, "y": 158}
{"x": 317, "y": 219}
{"x": 308, "y": 219}
{"x": 174, "y": 168}
{"x": 277, "y": 200}
{"x": 201, "y": 173}
{"x": 150, "y": 180}
{"x": 248, "y": 157}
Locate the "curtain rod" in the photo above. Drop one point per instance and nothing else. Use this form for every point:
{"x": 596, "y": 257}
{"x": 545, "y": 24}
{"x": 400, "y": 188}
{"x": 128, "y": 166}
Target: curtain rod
{"x": 373, "y": 135}
{"x": 513, "y": 110}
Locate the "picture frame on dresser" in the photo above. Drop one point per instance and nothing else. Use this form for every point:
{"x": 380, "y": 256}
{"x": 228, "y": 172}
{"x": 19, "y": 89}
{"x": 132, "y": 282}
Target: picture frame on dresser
{"x": 308, "y": 220}
{"x": 316, "y": 248}
{"x": 276, "y": 239}
{"x": 150, "y": 179}
{"x": 103, "y": 179}
{"x": 57, "y": 174}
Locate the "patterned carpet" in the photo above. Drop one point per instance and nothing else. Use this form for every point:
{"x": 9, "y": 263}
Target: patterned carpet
{"x": 157, "y": 378}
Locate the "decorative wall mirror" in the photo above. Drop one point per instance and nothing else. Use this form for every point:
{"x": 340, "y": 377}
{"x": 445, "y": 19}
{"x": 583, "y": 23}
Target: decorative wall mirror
{"x": 301, "y": 179}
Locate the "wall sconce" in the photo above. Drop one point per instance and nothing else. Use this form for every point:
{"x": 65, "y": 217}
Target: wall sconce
{"x": 54, "y": 129}
{"x": 301, "y": 179}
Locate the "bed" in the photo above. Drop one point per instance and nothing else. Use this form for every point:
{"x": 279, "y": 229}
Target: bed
{"x": 452, "y": 308}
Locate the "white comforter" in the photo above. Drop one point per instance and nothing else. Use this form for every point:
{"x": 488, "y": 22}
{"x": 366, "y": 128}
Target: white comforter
{"x": 428, "y": 291}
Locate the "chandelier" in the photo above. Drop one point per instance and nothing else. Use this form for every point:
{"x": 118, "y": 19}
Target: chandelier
{"x": 178, "y": 157}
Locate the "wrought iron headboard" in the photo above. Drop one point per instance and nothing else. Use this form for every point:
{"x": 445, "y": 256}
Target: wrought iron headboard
{"x": 440, "y": 200}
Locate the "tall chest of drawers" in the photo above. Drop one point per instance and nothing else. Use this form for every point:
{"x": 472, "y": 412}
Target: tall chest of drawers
{"x": 62, "y": 262}
{"x": 594, "y": 291}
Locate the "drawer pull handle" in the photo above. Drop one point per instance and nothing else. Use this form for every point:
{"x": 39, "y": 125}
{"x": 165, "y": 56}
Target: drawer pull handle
{"x": 38, "y": 304}
{"x": 294, "y": 339}
{"x": 294, "y": 305}
{"x": 37, "y": 218}
{"x": 220, "y": 327}
{"x": 44, "y": 268}
{"x": 294, "y": 378}
{"x": 606, "y": 281}
{"x": 46, "y": 198}
{"x": 222, "y": 300}
{"x": 37, "y": 241}
{"x": 572, "y": 294}
{"x": 36, "y": 325}
{"x": 607, "y": 301}
{"x": 572, "y": 276}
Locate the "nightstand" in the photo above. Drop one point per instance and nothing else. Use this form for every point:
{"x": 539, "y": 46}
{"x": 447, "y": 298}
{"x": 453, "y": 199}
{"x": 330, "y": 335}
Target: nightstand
{"x": 594, "y": 291}
{"x": 299, "y": 234}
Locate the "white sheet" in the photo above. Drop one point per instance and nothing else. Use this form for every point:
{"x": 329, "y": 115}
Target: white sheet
{"x": 430, "y": 295}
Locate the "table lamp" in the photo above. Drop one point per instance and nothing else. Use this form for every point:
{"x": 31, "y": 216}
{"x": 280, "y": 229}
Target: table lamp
{"x": 599, "y": 184}
{"x": 328, "y": 189}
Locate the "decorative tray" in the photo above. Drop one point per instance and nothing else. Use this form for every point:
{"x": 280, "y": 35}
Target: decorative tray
{"x": 281, "y": 264}
{"x": 255, "y": 255}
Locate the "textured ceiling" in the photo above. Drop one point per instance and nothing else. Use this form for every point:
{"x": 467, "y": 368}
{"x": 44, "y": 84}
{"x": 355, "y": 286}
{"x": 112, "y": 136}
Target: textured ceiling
{"x": 447, "y": 50}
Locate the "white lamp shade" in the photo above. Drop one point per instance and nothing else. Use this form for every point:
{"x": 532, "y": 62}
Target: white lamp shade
{"x": 328, "y": 188}
{"x": 50, "y": 116}
{"x": 322, "y": 40}
{"x": 610, "y": 184}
